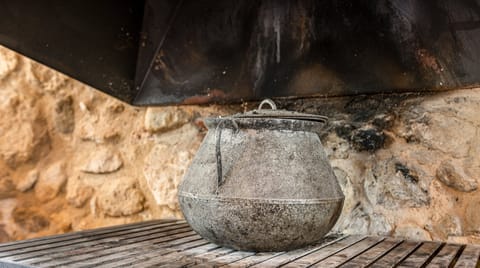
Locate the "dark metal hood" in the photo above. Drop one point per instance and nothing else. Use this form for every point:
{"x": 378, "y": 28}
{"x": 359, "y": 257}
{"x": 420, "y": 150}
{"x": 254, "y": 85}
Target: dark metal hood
{"x": 173, "y": 52}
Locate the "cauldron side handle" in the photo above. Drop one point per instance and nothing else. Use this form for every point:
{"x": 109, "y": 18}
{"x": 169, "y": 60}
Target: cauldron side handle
{"x": 218, "y": 152}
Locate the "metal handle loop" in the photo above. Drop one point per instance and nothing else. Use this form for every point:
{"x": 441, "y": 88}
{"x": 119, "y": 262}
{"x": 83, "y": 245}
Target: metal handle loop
{"x": 218, "y": 151}
{"x": 270, "y": 102}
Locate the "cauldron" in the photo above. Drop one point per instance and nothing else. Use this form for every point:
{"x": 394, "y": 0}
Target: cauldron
{"x": 261, "y": 181}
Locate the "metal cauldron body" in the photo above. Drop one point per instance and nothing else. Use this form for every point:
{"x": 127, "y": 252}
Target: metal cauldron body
{"x": 261, "y": 184}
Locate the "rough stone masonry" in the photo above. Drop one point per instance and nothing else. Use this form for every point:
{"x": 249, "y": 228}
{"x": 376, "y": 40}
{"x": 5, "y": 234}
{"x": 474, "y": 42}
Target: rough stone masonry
{"x": 73, "y": 158}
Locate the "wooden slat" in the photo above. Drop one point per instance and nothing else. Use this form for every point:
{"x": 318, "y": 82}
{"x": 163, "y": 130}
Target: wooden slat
{"x": 173, "y": 244}
{"x": 188, "y": 256}
{"x": 421, "y": 255}
{"x": 252, "y": 260}
{"x": 80, "y": 234}
{"x": 177, "y": 253}
{"x": 123, "y": 251}
{"x": 373, "y": 254}
{"x": 38, "y": 250}
{"x": 319, "y": 255}
{"x": 229, "y": 258}
{"x": 149, "y": 254}
{"x": 109, "y": 249}
{"x": 470, "y": 257}
{"x": 296, "y": 254}
{"x": 171, "y": 261}
{"x": 396, "y": 255}
{"x": 104, "y": 249}
{"x": 50, "y": 242}
{"x": 167, "y": 253}
{"x": 201, "y": 259}
{"x": 95, "y": 244}
{"x": 343, "y": 256}
{"x": 445, "y": 256}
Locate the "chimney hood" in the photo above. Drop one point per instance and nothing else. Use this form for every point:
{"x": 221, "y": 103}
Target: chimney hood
{"x": 192, "y": 52}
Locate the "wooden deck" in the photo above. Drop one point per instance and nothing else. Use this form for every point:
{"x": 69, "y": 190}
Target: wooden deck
{"x": 174, "y": 244}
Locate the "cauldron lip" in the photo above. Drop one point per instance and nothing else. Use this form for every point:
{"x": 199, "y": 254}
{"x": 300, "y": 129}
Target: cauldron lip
{"x": 281, "y": 114}
{"x": 265, "y": 123}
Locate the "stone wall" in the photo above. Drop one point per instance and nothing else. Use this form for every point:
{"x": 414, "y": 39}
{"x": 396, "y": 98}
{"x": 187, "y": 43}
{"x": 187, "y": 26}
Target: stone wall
{"x": 72, "y": 158}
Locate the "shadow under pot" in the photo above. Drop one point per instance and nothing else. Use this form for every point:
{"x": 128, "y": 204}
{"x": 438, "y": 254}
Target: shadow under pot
{"x": 261, "y": 181}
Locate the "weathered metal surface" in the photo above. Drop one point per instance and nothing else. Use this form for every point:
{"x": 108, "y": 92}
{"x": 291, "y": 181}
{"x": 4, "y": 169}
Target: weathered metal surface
{"x": 232, "y": 50}
{"x": 261, "y": 181}
{"x": 171, "y": 244}
{"x": 95, "y": 42}
{"x": 225, "y": 51}
{"x": 260, "y": 225}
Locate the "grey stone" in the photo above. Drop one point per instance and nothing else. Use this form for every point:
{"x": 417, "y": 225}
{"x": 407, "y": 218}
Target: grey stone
{"x": 343, "y": 130}
{"x": 351, "y": 196}
{"x": 453, "y": 176}
{"x": 356, "y": 221}
{"x": 392, "y": 187}
{"x": 336, "y": 147}
{"x": 441, "y": 132}
{"x": 379, "y": 225}
{"x": 361, "y": 221}
{"x": 368, "y": 139}
{"x": 384, "y": 121}
{"x": 342, "y": 178}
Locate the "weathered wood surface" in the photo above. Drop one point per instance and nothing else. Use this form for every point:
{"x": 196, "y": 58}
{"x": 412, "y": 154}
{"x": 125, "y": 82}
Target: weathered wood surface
{"x": 470, "y": 257}
{"x": 173, "y": 244}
